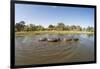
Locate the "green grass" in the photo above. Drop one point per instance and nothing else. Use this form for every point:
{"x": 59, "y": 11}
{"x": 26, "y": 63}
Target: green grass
{"x": 23, "y": 33}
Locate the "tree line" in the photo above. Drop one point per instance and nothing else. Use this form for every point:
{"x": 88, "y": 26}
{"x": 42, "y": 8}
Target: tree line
{"x": 59, "y": 27}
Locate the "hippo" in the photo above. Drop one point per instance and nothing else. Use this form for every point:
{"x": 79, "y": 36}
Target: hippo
{"x": 53, "y": 39}
{"x": 42, "y": 39}
{"x": 71, "y": 39}
{"x": 75, "y": 39}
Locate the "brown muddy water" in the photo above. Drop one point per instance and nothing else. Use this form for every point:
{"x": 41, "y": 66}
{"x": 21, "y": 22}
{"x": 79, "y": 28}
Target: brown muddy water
{"x": 28, "y": 50}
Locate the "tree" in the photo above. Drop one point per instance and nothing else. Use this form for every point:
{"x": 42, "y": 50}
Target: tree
{"x": 51, "y": 27}
{"x": 67, "y": 28}
{"x": 84, "y": 29}
{"x": 39, "y": 28}
{"x": 73, "y": 28}
{"x": 60, "y": 26}
{"x": 90, "y": 29}
{"x": 78, "y": 28}
{"x": 20, "y": 26}
{"x": 32, "y": 27}
{"x": 27, "y": 28}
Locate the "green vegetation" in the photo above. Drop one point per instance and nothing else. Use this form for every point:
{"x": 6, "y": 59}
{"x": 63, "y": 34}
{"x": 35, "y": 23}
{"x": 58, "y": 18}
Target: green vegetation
{"x": 22, "y": 29}
{"x": 50, "y": 32}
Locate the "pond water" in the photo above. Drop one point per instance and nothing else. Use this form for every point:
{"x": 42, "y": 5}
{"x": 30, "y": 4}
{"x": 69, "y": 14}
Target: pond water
{"x": 28, "y": 50}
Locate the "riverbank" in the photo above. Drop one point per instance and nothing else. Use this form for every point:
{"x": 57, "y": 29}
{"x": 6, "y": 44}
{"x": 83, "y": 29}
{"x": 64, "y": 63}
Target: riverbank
{"x": 50, "y": 32}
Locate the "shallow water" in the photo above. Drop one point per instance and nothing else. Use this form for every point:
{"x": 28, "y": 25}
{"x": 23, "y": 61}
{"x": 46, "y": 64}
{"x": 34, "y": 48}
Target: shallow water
{"x": 28, "y": 50}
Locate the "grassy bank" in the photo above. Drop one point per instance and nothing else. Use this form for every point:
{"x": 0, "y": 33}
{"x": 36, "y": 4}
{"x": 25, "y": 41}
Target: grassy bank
{"x": 51, "y": 32}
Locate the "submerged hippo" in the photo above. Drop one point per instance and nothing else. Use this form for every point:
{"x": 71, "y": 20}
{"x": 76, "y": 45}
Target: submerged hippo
{"x": 53, "y": 39}
{"x": 71, "y": 39}
{"x": 75, "y": 39}
{"x": 42, "y": 39}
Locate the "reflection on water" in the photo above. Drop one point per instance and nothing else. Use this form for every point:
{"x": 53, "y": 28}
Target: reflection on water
{"x": 28, "y": 50}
